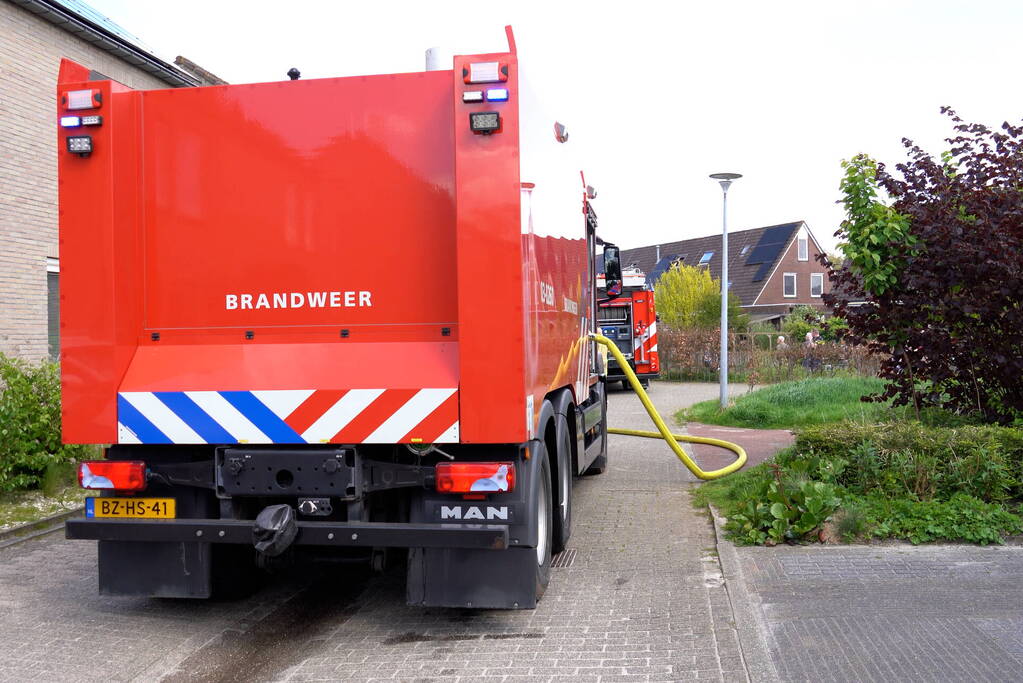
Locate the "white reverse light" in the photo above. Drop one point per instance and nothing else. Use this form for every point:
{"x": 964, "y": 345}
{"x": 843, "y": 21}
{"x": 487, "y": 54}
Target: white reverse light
{"x": 81, "y": 99}
{"x": 485, "y": 72}
{"x": 472, "y": 96}
{"x": 497, "y": 95}
{"x": 70, "y": 121}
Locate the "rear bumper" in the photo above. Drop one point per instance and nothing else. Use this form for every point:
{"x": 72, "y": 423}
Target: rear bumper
{"x": 352, "y": 534}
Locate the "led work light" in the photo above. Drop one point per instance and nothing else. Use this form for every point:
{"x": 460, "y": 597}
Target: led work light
{"x": 484, "y": 122}
{"x": 80, "y": 144}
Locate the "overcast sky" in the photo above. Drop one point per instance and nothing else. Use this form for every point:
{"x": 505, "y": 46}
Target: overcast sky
{"x": 659, "y": 95}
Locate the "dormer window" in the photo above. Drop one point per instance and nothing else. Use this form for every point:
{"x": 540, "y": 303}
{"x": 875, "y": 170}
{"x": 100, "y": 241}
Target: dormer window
{"x": 803, "y": 245}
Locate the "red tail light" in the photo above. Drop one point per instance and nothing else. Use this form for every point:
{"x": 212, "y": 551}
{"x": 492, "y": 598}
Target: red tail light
{"x": 475, "y": 477}
{"x": 117, "y": 475}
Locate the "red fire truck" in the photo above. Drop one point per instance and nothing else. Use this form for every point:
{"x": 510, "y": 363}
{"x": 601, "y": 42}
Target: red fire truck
{"x": 342, "y": 315}
{"x": 630, "y": 321}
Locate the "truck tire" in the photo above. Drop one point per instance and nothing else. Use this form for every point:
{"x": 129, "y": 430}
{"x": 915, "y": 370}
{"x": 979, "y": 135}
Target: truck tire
{"x": 563, "y": 517}
{"x": 599, "y": 463}
{"x": 544, "y": 514}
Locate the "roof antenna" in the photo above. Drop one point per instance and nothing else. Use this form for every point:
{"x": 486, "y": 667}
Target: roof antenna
{"x": 294, "y": 74}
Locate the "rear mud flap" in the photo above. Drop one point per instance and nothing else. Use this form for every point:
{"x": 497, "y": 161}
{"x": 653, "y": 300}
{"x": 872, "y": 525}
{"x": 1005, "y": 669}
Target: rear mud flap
{"x": 159, "y": 570}
{"x": 477, "y": 579}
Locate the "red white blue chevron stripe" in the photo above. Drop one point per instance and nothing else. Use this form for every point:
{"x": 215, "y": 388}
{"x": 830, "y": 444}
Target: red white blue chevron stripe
{"x": 294, "y": 416}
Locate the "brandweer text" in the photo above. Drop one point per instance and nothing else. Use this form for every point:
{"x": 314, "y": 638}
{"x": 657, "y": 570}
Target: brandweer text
{"x": 349, "y": 299}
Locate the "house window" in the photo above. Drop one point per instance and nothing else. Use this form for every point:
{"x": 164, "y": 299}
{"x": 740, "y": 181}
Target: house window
{"x": 803, "y": 244}
{"x": 53, "y": 307}
{"x": 707, "y": 256}
{"x": 744, "y": 249}
{"x": 816, "y": 284}
{"x": 789, "y": 285}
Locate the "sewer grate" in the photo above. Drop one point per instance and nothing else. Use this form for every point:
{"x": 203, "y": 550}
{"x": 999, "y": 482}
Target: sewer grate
{"x": 563, "y": 559}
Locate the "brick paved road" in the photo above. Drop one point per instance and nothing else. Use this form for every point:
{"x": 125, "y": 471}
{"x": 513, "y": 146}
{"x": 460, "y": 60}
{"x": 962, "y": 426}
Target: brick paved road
{"x": 887, "y": 613}
{"x": 641, "y": 599}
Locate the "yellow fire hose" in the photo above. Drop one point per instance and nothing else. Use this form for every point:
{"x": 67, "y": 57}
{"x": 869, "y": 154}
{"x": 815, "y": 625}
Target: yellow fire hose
{"x": 662, "y": 429}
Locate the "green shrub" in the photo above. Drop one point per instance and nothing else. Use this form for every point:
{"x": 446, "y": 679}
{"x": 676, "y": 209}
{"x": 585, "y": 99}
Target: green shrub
{"x": 892, "y": 480}
{"x": 925, "y": 462}
{"x": 784, "y": 511}
{"x": 961, "y": 518}
{"x": 30, "y": 438}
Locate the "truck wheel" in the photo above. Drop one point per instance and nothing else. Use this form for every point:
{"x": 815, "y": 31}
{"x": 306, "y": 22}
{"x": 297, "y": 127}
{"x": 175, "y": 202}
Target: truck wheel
{"x": 544, "y": 514}
{"x": 563, "y": 518}
{"x": 599, "y": 463}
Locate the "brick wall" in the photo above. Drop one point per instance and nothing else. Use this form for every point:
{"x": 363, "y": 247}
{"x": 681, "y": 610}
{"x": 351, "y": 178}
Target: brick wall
{"x": 30, "y": 53}
{"x": 773, "y": 292}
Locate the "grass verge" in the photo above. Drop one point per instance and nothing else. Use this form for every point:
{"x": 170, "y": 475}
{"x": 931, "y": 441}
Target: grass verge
{"x": 59, "y": 493}
{"x": 817, "y": 400}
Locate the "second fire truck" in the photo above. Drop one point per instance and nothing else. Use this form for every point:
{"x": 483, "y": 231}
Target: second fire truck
{"x": 630, "y": 321}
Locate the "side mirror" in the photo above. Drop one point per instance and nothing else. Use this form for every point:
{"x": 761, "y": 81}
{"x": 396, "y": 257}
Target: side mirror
{"x": 612, "y": 271}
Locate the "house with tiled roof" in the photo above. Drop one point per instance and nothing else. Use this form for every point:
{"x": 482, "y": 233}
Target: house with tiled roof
{"x": 771, "y": 269}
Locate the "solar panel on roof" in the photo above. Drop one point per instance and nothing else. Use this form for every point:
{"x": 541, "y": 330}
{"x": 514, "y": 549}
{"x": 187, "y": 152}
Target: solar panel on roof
{"x": 770, "y": 244}
{"x": 661, "y": 267}
{"x": 762, "y": 271}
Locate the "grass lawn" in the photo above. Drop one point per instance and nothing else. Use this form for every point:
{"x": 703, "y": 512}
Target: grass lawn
{"x": 59, "y": 493}
{"x": 21, "y": 507}
{"x": 788, "y": 405}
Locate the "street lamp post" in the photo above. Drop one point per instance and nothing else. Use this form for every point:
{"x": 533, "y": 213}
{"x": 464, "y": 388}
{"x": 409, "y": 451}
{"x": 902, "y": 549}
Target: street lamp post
{"x": 725, "y": 179}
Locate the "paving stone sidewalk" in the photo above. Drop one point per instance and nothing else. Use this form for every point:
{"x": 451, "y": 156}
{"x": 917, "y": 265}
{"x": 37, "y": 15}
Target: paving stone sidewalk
{"x": 882, "y": 613}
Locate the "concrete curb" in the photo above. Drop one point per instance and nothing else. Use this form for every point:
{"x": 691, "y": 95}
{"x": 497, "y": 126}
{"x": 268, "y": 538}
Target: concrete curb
{"x": 41, "y": 527}
{"x": 745, "y": 609}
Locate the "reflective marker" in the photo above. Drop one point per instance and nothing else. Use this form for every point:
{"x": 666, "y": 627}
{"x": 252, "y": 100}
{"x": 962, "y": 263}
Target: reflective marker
{"x": 70, "y": 121}
{"x": 497, "y": 95}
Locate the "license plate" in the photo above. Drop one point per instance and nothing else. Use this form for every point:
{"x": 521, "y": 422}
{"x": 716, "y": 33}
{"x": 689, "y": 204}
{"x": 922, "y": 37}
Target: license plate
{"x": 130, "y": 508}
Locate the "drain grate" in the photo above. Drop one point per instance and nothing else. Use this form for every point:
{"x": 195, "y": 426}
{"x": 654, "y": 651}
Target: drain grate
{"x": 563, "y": 559}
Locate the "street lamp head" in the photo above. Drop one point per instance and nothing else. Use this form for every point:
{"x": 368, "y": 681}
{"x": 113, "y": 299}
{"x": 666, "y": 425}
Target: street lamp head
{"x": 725, "y": 179}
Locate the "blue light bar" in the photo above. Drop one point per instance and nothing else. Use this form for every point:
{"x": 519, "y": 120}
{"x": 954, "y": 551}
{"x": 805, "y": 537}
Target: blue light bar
{"x": 497, "y": 95}
{"x": 70, "y": 121}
